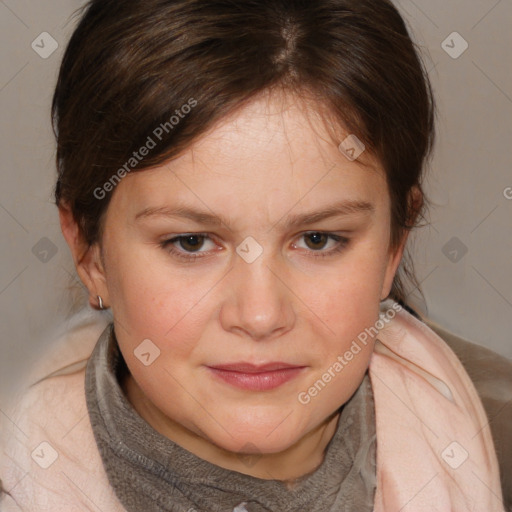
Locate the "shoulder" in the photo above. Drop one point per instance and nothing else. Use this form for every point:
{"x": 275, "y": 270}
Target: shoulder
{"x": 69, "y": 347}
{"x": 48, "y": 455}
{"x": 490, "y": 371}
{"x": 491, "y": 374}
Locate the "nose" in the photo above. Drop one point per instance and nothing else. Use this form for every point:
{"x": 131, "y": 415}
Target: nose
{"x": 259, "y": 303}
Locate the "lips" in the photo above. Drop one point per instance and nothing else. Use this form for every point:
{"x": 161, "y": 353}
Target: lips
{"x": 243, "y": 367}
{"x": 252, "y": 377}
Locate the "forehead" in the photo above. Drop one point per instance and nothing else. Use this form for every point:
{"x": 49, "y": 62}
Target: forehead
{"x": 276, "y": 125}
{"x": 274, "y": 151}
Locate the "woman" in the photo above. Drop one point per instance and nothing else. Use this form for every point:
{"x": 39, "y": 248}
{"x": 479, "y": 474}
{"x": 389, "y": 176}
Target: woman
{"x": 237, "y": 181}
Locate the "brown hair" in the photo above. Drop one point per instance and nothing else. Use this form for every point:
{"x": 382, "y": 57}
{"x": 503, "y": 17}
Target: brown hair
{"x": 132, "y": 65}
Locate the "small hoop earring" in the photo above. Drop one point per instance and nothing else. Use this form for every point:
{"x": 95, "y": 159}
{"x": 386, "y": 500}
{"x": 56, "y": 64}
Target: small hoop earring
{"x": 100, "y": 302}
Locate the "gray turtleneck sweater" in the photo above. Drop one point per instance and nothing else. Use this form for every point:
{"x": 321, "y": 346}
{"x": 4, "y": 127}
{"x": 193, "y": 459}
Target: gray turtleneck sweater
{"x": 151, "y": 473}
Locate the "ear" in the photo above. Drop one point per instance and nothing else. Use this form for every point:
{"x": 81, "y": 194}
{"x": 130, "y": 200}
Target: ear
{"x": 87, "y": 258}
{"x": 415, "y": 201}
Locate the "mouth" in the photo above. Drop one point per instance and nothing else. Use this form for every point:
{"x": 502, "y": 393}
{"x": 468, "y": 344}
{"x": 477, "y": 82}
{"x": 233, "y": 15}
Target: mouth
{"x": 256, "y": 377}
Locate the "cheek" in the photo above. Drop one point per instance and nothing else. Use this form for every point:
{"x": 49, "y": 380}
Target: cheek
{"x": 348, "y": 312}
{"x": 147, "y": 296}
{"x": 351, "y": 322}
{"x": 350, "y": 299}
{"x": 163, "y": 304}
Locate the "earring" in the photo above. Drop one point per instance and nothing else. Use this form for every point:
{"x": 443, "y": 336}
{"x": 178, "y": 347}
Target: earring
{"x": 100, "y": 302}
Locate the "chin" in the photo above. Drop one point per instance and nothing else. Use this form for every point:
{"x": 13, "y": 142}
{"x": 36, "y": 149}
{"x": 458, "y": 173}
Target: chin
{"x": 258, "y": 440}
{"x": 257, "y": 445}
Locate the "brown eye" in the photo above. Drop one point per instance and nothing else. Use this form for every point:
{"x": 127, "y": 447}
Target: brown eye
{"x": 318, "y": 240}
{"x": 191, "y": 242}
{"x": 187, "y": 247}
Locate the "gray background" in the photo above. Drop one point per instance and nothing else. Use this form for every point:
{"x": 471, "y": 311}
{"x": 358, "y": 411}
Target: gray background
{"x": 470, "y": 182}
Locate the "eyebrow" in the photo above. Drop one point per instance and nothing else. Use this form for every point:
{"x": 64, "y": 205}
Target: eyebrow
{"x": 339, "y": 209}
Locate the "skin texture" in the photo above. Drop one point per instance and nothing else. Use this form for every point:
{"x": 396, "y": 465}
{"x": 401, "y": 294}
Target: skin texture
{"x": 255, "y": 168}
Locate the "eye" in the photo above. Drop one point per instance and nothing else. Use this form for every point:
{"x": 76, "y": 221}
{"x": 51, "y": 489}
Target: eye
{"x": 190, "y": 242}
{"x": 316, "y": 241}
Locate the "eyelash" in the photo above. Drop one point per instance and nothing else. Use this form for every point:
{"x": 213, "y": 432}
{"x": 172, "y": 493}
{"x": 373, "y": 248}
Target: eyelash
{"x": 342, "y": 242}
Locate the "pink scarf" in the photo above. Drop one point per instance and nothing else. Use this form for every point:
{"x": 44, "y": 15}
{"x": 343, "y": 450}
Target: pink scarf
{"x": 434, "y": 446}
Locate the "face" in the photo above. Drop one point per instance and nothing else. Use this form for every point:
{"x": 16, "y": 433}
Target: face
{"x": 219, "y": 258}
